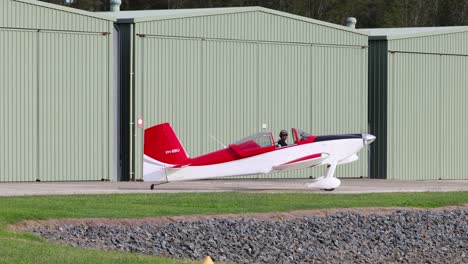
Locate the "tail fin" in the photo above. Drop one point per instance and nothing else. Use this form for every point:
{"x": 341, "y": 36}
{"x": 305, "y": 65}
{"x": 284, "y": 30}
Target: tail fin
{"x": 162, "y": 144}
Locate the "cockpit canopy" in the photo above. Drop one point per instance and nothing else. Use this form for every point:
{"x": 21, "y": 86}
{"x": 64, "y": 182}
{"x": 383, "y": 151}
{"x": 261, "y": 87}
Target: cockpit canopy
{"x": 259, "y": 141}
{"x": 302, "y": 137}
{"x": 254, "y": 144}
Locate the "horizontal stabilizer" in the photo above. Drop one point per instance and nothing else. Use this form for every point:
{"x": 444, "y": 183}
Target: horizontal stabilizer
{"x": 304, "y": 162}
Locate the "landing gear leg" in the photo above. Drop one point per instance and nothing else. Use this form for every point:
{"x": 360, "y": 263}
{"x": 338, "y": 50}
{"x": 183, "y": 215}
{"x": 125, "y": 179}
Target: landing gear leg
{"x": 331, "y": 170}
{"x": 327, "y": 182}
{"x": 330, "y": 174}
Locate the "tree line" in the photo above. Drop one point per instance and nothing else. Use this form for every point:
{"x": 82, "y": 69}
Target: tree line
{"x": 369, "y": 13}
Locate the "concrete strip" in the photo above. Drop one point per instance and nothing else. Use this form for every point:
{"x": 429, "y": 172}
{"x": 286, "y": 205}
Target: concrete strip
{"x": 269, "y": 185}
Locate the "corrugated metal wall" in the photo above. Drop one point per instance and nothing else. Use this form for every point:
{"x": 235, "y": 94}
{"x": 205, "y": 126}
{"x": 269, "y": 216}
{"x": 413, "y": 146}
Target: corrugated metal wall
{"x": 228, "y": 88}
{"x": 57, "y": 106}
{"x": 321, "y": 89}
{"x": 427, "y": 108}
{"x": 170, "y": 73}
{"x": 230, "y": 94}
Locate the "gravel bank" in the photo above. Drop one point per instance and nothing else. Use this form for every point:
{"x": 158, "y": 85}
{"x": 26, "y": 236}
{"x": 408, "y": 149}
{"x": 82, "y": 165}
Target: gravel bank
{"x": 416, "y": 236}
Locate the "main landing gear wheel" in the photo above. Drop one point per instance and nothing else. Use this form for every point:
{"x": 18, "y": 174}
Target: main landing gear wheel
{"x": 156, "y": 184}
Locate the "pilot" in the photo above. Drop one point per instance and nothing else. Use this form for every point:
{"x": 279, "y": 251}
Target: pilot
{"x": 283, "y": 136}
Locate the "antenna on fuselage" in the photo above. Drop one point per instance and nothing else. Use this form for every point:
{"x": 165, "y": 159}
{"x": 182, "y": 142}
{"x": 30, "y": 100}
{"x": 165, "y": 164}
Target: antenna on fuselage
{"x": 219, "y": 142}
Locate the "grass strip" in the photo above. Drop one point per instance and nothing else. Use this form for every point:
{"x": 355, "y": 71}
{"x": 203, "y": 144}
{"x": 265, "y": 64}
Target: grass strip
{"x": 14, "y": 209}
{"x": 27, "y": 248}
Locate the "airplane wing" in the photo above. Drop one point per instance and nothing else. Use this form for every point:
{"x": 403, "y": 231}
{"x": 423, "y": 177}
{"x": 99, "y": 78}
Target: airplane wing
{"x": 304, "y": 162}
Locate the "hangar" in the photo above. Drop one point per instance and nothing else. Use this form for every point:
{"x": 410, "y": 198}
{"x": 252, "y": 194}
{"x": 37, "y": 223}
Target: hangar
{"x": 221, "y": 74}
{"x": 417, "y": 102}
{"x": 57, "y": 107}
{"x": 74, "y": 84}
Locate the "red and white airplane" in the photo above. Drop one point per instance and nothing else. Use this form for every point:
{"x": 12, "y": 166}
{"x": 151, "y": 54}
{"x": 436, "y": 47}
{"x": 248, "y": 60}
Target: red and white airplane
{"x": 165, "y": 159}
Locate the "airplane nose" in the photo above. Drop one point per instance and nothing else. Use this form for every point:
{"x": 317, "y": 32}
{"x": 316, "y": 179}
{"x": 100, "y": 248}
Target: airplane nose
{"x": 368, "y": 138}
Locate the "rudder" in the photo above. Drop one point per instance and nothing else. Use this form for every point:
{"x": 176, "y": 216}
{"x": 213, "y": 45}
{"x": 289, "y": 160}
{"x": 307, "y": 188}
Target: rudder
{"x": 161, "y": 143}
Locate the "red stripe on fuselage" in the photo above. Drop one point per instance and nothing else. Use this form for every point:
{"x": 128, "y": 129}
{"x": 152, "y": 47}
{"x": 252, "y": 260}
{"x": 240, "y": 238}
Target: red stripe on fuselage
{"x": 313, "y": 156}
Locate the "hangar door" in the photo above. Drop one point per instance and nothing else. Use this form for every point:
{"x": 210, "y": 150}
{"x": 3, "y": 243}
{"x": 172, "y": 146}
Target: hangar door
{"x": 54, "y": 106}
{"x": 73, "y": 106}
{"x": 18, "y": 105}
{"x": 454, "y": 106}
{"x": 426, "y": 116}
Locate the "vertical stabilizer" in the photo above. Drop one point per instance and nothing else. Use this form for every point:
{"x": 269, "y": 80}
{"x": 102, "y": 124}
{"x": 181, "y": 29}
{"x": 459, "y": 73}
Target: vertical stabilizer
{"x": 162, "y": 144}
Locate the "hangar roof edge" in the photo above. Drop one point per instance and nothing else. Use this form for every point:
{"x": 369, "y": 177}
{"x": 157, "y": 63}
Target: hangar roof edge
{"x": 65, "y": 9}
{"x": 411, "y": 32}
{"x": 153, "y": 15}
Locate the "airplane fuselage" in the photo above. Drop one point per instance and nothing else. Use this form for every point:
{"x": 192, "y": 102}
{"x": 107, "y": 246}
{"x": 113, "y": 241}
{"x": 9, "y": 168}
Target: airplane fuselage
{"x": 337, "y": 151}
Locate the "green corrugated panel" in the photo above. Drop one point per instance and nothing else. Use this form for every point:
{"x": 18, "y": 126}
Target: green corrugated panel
{"x": 414, "y": 117}
{"x": 230, "y": 94}
{"x": 228, "y": 89}
{"x": 450, "y": 43}
{"x": 171, "y": 72}
{"x": 253, "y": 26}
{"x": 378, "y": 107}
{"x": 453, "y": 108}
{"x": 18, "y": 105}
{"x": 168, "y": 72}
{"x": 339, "y": 80}
{"x": 29, "y": 14}
{"x": 300, "y": 88}
{"x": 74, "y": 106}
